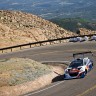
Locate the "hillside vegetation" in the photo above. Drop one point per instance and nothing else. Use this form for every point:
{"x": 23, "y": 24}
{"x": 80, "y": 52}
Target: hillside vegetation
{"x": 18, "y": 28}
{"x": 73, "y": 24}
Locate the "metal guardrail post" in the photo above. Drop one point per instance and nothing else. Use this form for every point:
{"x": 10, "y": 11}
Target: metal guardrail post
{"x": 20, "y": 47}
{"x": 30, "y": 45}
{"x": 60, "y": 41}
{"x": 11, "y": 49}
{"x": 40, "y": 44}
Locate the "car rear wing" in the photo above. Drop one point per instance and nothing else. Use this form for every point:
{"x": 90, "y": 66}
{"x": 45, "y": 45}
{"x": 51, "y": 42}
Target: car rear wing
{"x": 82, "y": 53}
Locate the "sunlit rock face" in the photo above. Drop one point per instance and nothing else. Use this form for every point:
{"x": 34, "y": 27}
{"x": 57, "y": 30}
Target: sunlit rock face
{"x": 17, "y": 27}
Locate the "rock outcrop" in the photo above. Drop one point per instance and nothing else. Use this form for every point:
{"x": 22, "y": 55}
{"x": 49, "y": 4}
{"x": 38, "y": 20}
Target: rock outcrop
{"x": 84, "y": 31}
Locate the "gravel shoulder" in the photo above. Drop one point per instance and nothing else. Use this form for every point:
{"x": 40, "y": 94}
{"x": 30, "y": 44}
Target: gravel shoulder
{"x": 22, "y": 75}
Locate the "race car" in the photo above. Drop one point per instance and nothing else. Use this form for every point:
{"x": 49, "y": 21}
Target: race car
{"x": 77, "y": 39}
{"x": 79, "y": 67}
{"x": 93, "y": 38}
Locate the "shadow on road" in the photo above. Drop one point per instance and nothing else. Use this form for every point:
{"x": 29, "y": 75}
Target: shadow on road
{"x": 58, "y": 78}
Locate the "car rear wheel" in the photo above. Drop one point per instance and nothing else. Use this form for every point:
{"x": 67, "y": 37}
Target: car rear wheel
{"x": 92, "y": 64}
{"x": 85, "y": 72}
{"x": 64, "y": 76}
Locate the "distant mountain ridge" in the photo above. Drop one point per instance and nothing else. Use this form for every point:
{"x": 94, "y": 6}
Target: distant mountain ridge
{"x": 50, "y": 9}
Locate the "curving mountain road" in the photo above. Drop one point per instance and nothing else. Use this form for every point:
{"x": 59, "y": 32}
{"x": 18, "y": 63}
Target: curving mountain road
{"x": 62, "y": 52}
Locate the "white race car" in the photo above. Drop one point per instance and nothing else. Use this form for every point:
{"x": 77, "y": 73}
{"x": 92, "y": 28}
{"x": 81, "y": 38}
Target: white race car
{"x": 79, "y": 67}
{"x": 93, "y": 38}
{"x": 73, "y": 39}
{"x": 77, "y": 39}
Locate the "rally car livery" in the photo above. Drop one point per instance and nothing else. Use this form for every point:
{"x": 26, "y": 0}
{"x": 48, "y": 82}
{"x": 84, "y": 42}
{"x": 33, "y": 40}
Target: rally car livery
{"x": 79, "y": 67}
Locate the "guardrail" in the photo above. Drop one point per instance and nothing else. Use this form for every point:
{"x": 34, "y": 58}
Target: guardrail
{"x": 41, "y": 42}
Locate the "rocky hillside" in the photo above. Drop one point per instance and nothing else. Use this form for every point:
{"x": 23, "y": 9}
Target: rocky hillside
{"x": 17, "y": 27}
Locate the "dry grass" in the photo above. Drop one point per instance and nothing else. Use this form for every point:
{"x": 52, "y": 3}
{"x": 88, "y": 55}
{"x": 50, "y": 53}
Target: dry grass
{"x": 15, "y": 71}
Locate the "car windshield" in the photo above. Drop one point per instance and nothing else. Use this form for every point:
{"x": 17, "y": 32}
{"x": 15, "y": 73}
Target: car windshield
{"x": 76, "y": 63}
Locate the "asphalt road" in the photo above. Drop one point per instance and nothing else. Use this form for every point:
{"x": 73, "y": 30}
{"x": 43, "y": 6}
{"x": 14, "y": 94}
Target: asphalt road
{"x": 62, "y": 52}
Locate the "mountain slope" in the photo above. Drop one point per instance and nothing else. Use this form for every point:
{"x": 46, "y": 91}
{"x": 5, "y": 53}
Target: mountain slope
{"x": 73, "y": 24}
{"x": 18, "y": 28}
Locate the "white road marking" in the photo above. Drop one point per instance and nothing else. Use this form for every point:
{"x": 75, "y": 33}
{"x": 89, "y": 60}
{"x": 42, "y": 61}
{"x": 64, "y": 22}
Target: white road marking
{"x": 45, "y": 88}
